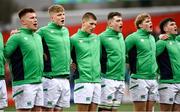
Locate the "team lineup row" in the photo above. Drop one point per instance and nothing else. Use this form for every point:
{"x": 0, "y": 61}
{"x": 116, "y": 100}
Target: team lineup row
{"x": 40, "y": 61}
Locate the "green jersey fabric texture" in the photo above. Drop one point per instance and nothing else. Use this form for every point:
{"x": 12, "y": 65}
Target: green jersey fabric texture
{"x": 86, "y": 54}
{"x": 56, "y": 45}
{"x": 168, "y": 58}
{"x": 112, "y": 54}
{"x": 25, "y": 53}
{"x": 141, "y": 50}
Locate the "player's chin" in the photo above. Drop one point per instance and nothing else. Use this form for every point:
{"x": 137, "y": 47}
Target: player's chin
{"x": 120, "y": 30}
{"x": 91, "y": 31}
{"x": 61, "y": 24}
{"x": 175, "y": 32}
{"x": 34, "y": 28}
{"x": 150, "y": 30}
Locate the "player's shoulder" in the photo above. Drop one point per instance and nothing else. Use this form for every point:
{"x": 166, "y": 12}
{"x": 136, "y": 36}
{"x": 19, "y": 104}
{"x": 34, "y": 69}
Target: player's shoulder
{"x": 132, "y": 35}
{"x": 102, "y": 34}
{"x": 65, "y": 28}
{"x": 94, "y": 35}
{"x": 43, "y": 28}
{"x": 74, "y": 36}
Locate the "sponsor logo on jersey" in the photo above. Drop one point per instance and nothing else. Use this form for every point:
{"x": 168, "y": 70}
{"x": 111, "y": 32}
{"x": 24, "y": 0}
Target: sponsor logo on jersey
{"x": 25, "y": 38}
{"x": 142, "y": 40}
{"x": 80, "y": 41}
{"x": 170, "y": 43}
{"x": 52, "y": 31}
{"x": 110, "y": 38}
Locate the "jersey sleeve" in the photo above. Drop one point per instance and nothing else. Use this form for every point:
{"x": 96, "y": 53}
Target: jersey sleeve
{"x": 40, "y": 32}
{"x": 129, "y": 42}
{"x": 178, "y": 38}
{"x": 10, "y": 46}
{"x": 160, "y": 46}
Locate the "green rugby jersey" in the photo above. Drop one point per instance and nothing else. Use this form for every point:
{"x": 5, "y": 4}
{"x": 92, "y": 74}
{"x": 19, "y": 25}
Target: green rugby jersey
{"x": 113, "y": 54}
{"x": 25, "y": 53}
{"x": 168, "y": 58}
{"x": 56, "y": 45}
{"x": 86, "y": 54}
{"x": 141, "y": 50}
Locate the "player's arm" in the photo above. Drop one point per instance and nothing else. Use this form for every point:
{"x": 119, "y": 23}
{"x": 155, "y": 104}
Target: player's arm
{"x": 160, "y": 46}
{"x": 130, "y": 43}
{"x": 74, "y": 62}
{"x": 10, "y": 46}
{"x": 178, "y": 38}
{"x": 73, "y": 55}
{"x": 40, "y": 32}
{"x": 103, "y": 56}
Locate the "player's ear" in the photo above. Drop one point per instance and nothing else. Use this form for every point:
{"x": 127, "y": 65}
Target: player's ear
{"x": 83, "y": 22}
{"x": 22, "y": 21}
{"x": 140, "y": 25}
{"x": 109, "y": 22}
{"x": 51, "y": 15}
{"x": 165, "y": 28}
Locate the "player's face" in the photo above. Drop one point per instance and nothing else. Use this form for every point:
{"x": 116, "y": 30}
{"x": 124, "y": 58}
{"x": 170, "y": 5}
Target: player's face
{"x": 89, "y": 25}
{"x": 116, "y": 23}
{"x": 58, "y": 18}
{"x": 29, "y": 20}
{"x": 171, "y": 28}
{"x": 147, "y": 25}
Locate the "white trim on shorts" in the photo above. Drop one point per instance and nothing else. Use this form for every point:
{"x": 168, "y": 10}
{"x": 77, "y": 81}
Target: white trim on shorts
{"x": 56, "y": 92}
{"x": 169, "y": 93}
{"x": 87, "y": 93}
{"x": 112, "y": 92}
{"x": 143, "y": 90}
{"x": 27, "y": 96}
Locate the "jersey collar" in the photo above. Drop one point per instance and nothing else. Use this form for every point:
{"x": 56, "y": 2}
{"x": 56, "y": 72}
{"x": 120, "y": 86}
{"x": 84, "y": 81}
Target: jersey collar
{"x": 112, "y": 31}
{"x": 143, "y": 32}
{"x": 26, "y": 30}
{"x": 83, "y": 33}
{"x": 54, "y": 25}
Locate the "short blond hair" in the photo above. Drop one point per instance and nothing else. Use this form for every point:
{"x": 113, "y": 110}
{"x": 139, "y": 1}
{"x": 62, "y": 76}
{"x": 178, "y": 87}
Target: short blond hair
{"x": 140, "y": 18}
{"x": 56, "y": 9}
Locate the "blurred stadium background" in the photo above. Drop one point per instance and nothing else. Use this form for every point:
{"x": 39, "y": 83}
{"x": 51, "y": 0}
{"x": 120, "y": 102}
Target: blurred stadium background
{"x": 158, "y": 9}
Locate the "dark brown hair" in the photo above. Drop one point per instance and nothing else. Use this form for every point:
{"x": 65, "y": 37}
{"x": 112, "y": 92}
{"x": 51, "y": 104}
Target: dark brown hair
{"x": 164, "y": 23}
{"x": 112, "y": 14}
{"x": 24, "y": 11}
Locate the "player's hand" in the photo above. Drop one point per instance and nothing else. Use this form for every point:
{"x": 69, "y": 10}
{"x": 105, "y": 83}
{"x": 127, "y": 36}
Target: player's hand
{"x": 14, "y": 31}
{"x": 73, "y": 67}
{"x": 45, "y": 57}
{"x": 163, "y": 36}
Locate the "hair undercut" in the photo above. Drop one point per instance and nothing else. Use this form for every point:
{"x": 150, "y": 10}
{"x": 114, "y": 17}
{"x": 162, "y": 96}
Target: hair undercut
{"x": 89, "y": 15}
